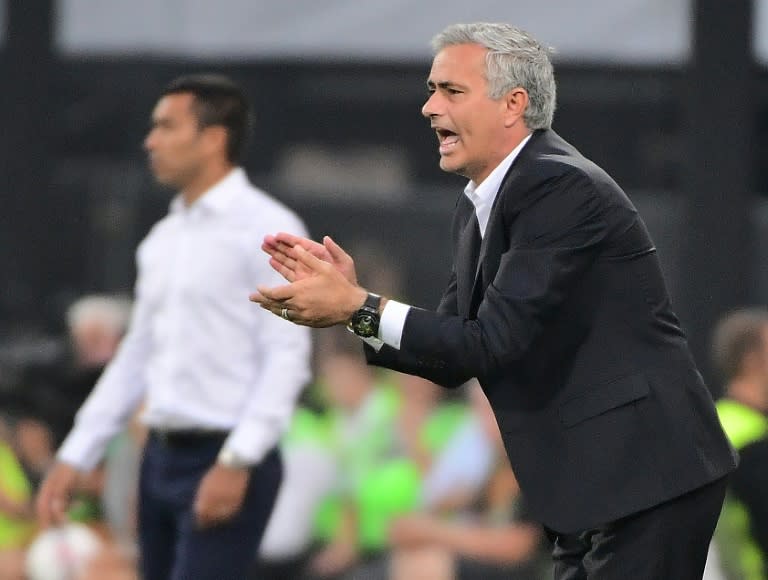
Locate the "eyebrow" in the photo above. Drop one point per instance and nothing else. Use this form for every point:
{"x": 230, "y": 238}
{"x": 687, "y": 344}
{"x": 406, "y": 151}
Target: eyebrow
{"x": 444, "y": 85}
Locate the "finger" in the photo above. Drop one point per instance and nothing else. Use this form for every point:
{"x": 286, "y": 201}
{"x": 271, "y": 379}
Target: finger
{"x": 266, "y": 303}
{"x": 292, "y": 242}
{"x": 275, "y": 308}
{"x": 51, "y": 506}
{"x": 43, "y": 508}
{"x": 335, "y": 250}
{"x": 202, "y": 520}
{"x": 278, "y": 293}
{"x": 257, "y": 297}
{"x": 208, "y": 516}
{"x": 312, "y": 263}
{"x": 286, "y": 272}
{"x": 58, "y": 511}
{"x": 289, "y": 274}
{"x": 286, "y": 256}
{"x": 269, "y": 244}
{"x": 202, "y": 513}
{"x": 290, "y": 239}
{"x": 269, "y": 240}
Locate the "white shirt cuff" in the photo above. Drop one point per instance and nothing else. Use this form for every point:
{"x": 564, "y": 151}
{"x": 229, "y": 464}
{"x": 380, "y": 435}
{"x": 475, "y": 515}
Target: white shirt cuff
{"x": 390, "y": 326}
{"x": 392, "y": 323}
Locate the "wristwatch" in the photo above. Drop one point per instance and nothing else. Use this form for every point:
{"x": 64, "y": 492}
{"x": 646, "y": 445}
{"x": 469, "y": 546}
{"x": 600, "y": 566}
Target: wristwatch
{"x": 365, "y": 321}
{"x": 228, "y": 458}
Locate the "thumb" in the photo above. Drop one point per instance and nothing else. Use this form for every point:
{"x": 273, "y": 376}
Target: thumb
{"x": 334, "y": 249}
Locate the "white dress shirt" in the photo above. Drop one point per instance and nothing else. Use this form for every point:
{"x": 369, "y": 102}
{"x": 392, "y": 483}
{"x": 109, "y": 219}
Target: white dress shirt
{"x": 198, "y": 354}
{"x": 482, "y": 197}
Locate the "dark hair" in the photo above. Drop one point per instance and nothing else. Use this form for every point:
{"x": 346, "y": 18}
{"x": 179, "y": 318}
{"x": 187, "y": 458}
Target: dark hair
{"x": 218, "y": 101}
{"x": 736, "y": 335}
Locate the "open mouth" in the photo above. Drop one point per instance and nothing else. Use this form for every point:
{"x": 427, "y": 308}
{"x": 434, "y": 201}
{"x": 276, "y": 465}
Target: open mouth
{"x": 447, "y": 139}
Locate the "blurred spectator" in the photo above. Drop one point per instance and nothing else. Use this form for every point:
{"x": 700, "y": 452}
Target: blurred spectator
{"x": 740, "y": 349}
{"x": 45, "y": 403}
{"x": 482, "y": 532}
{"x": 427, "y": 418}
{"x": 464, "y": 466}
{"x": 53, "y": 393}
{"x": 375, "y": 480}
{"x": 48, "y": 395}
{"x": 310, "y": 471}
{"x": 16, "y": 522}
{"x": 385, "y": 429}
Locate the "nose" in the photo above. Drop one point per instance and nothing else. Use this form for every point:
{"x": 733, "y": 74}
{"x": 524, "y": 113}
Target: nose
{"x": 149, "y": 141}
{"x": 429, "y": 109}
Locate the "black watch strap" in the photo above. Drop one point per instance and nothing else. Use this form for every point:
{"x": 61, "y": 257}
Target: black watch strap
{"x": 373, "y": 301}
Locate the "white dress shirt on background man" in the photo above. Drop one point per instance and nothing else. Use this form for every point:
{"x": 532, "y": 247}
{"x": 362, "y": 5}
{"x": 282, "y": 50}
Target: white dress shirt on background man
{"x": 198, "y": 354}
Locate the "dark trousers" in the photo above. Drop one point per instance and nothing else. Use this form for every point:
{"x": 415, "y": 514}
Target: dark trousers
{"x": 171, "y": 546}
{"x": 667, "y": 542}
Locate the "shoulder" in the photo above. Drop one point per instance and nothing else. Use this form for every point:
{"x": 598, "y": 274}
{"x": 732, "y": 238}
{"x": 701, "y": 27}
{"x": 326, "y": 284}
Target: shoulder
{"x": 551, "y": 166}
{"x": 553, "y": 157}
{"x": 260, "y": 210}
{"x": 157, "y": 232}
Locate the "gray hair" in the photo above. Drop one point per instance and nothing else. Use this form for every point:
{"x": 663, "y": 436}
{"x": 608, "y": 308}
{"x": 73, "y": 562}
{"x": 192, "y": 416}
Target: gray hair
{"x": 113, "y": 312}
{"x": 514, "y": 59}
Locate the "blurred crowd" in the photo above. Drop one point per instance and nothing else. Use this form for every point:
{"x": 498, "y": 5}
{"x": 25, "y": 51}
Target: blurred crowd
{"x": 387, "y": 476}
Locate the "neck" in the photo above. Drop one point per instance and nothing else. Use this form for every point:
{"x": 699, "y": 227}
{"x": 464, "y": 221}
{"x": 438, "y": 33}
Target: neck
{"x": 750, "y": 393}
{"x": 513, "y": 140}
{"x": 205, "y": 181}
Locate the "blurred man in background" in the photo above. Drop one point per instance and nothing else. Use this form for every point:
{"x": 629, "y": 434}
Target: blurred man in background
{"x": 740, "y": 351}
{"x": 218, "y": 378}
{"x": 557, "y": 305}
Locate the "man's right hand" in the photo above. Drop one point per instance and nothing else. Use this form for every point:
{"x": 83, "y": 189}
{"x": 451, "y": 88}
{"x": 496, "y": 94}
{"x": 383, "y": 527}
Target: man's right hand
{"x": 55, "y": 494}
{"x": 283, "y": 258}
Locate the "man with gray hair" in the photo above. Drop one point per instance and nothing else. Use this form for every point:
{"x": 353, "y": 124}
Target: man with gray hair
{"x": 96, "y": 325}
{"x": 557, "y": 305}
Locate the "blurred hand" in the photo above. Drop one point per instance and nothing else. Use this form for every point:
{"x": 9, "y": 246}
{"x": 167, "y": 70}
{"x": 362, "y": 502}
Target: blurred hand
{"x": 414, "y": 530}
{"x": 321, "y": 295}
{"x": 334, "y": 559}
{"x": 55, "y": 494}
{"x": 283, "y": 258}
{"x": 220, "y": 495}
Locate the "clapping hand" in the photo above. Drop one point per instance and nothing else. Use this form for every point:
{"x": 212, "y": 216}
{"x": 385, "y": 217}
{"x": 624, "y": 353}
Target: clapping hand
{"x": 283, "y": 258}
{"x": 321, "y": 293}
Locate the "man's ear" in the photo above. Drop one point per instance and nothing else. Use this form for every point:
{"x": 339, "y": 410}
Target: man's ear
{"x": 215, "y": 138}
{"x": 515, "y": 103}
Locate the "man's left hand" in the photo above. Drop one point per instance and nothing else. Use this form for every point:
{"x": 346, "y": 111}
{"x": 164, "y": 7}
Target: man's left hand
{"x": 323, "y": 298}
{"x": 220, "y": 495}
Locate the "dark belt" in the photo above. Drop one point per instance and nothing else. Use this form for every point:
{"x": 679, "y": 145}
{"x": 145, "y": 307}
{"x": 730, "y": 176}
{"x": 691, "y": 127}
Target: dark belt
{"x": 188, "y": 437}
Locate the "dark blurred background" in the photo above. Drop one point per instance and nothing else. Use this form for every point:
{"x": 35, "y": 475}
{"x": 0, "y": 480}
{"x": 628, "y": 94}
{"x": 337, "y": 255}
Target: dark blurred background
{"x": 669, "y": 96}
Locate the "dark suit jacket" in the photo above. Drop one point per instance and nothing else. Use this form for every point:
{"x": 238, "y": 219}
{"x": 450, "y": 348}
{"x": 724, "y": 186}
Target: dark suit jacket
{"x": 567, "y": 325}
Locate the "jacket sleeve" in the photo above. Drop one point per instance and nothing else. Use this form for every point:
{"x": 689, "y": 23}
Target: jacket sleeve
{"x": 557, "y": 238}
{"x": 398, "y": 360}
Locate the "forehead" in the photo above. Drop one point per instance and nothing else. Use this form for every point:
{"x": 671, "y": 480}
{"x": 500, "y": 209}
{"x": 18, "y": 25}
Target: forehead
{"x": 177, "y": 105}
{"x": 459, "y": 63}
